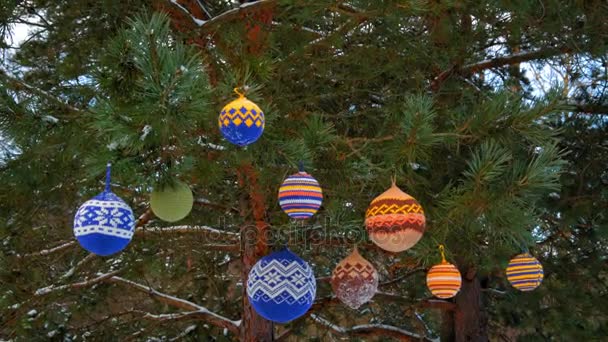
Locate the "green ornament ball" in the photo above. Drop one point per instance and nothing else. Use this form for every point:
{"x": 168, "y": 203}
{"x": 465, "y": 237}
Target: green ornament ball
{"x": 172, "y": 203}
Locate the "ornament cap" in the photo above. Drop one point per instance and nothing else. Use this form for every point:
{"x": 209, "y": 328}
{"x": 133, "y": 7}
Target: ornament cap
{"x": 442, "y": 251}
{"x": 108, "y": 170}
{"x": 238, "y": 92}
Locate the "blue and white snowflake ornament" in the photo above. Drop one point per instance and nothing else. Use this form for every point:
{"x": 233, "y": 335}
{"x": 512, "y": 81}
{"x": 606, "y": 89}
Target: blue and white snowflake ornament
{"x": 281, "y": 287}
{"x": 105, "y": 224}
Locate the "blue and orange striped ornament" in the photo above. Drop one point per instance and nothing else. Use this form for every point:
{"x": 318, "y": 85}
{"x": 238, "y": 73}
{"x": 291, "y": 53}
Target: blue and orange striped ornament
{"x": 524, "y": 272}
{"x": 300, "y": 195}
{"x": 241, "y": 121}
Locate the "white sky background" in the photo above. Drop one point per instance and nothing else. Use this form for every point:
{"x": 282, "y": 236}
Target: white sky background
{"x": 19, "y": 33}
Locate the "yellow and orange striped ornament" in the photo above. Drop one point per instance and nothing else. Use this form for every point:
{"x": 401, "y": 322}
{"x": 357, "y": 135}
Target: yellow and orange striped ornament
{"x": 395, "y": 220}
{"x": 524, "y": 272}
{"x": 443, "y": 280}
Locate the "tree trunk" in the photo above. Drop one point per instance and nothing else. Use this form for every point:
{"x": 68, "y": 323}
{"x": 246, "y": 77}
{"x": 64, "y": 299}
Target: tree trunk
{"x": 254, "y": 245}
{"x": 254, "y": 328}
{"x": 469, "y": 322}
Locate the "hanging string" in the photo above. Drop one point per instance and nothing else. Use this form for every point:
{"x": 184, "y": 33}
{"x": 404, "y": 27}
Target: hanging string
{"x": 108, "y": 167}
{"x": 519, "y": 240}
{"x": 442, "y": 251}
{"x": 301, "y": 166}
{"x": 236, "y": 90}
{"x": 394, "y": 180}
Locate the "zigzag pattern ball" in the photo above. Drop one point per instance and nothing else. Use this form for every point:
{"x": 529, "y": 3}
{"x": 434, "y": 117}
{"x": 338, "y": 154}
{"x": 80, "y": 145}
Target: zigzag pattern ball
{"x": 395, "y": 220}
{"x": 241, "y": 122}
{"x": 444, "y": 280}
{"x": 524, "y": 272}
{"x": 281, "y": 287}
{"x": 300, "y": 196}
{"x": 354, "y": 280}
{"x": 104, "y": 225}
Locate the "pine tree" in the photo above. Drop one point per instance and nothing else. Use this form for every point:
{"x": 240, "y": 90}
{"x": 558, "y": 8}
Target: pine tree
{"x": 451, "y": 98}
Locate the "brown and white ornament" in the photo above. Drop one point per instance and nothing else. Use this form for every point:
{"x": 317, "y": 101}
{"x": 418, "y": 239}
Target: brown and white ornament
{"x": 354, "y": 280}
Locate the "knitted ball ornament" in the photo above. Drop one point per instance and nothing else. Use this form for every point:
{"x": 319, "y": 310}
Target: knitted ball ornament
{"x": 524, "y": 272}
{"x": 354, "y": 280}
{"x": 395, "y": 220}
{"x": 172, "y": 203}
{"x": 300, "y": 195}
{"x": 241, "y": 121}
{"x": 444, "y": 280}
{"x": 105, "y": 224}
{"x": 281, "y": 287}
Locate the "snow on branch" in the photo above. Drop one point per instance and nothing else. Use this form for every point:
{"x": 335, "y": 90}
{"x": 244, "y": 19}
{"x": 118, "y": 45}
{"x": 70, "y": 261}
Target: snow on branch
{"x": 52, "y": 288}
{"x": 195, "y": 311}
{"x": 18, "y": 84}
{"x": 197, "y": 21}
{"x": 188, "y": 229}
{"x": 366, "y": 330}
{"x": 51, "y": 250}
{"x": 236, "y": 10}
{"x": 73, "y": 270}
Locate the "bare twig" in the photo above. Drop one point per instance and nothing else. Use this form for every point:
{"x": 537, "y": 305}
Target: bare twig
{"x": 18, "y": 84}
{"x": 200, "y": 312}
{"x": 498, "y": 62}
{"x": 52, "y": 288}
{"x": 73, "y": 270}
{"x": 368, "y": 330}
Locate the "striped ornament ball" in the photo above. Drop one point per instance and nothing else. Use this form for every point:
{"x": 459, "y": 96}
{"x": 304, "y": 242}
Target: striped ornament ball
{"x": 444, "y": 280}
{"x": 524, "y": 272}
{"x": 300, "y": 196}
{"x": 395, "y": 220}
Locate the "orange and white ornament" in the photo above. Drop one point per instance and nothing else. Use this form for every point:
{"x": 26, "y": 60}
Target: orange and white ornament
{"x": 443, "y": 280}
{"x": 354, "y": 280}
{"x": 395, "y": 220}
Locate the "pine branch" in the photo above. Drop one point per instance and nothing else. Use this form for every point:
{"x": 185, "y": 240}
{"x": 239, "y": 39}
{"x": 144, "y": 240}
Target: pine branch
{"x": 204, "y": 8}
{"x": 50, "y": 250}
{"x": 403, "y": 276}
{"x": 590, "y": 108}
{"x": 197, "y": 21}
{"x": 369, "y": 330}
{"x": 87, "y": 283}
{"x": 16, "y": 84}
{"x": 195, "y": 311}
{"x": 188, "y": 229}
{"x": 516, "y": 58}
{"x": 73, "y": 270}
{"x": 199, "y": 311}
{"x": 237, "y": 10}
{"x": 189, "y": 329}
{"x": 160, "y": 230}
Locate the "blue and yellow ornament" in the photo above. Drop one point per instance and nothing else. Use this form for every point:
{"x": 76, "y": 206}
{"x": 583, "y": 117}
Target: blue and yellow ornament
{"x": 524, "y": 272}
{"x": 241, "y": 121}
